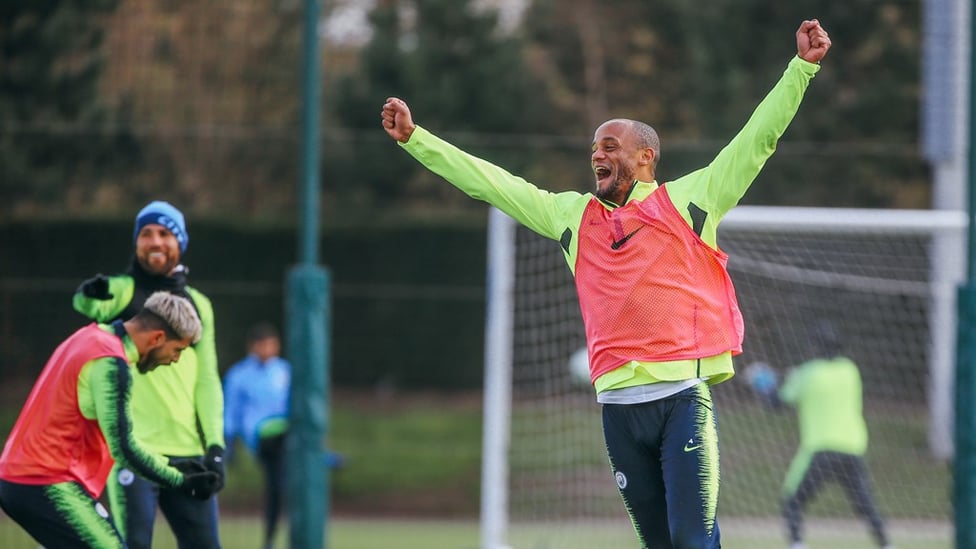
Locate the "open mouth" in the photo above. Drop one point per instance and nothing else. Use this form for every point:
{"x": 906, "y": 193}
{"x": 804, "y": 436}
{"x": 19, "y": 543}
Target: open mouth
{"x": 602, "y": 172}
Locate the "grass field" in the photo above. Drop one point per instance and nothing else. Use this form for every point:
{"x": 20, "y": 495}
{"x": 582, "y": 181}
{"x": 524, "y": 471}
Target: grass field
{"x": 242, "y": 532}
{"x": 417, "y": 457}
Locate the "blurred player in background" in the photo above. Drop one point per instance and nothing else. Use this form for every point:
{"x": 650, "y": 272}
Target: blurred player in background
{"x": 76, "y": 422}
{"x": 177, "y": 411}
{"x": 827, "y": 394}
{"x": 659, "y": 311}
{"x": 256, "y": 401}
{"x": 256, "y": 393}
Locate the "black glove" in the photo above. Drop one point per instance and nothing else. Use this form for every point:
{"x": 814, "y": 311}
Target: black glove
{"x": 96, "y": 287}
{"x": 214, "y": 462}
{"x": 200, "y": 485}
{"x": 188, "y": 466}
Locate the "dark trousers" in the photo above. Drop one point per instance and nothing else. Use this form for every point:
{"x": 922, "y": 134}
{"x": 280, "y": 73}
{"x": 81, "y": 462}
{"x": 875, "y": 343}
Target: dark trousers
{"x": 664, "y": 456}
{"x": 851, "y": 473}
{"x": 134, "y": 500}
{"x": 271, "y": 455}
{"x": 61, "y": 515}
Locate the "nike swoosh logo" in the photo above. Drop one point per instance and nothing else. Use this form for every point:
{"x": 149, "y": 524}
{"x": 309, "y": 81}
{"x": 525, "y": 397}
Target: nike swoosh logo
{"x": 616, "y": 244}
{"x": 691, "y": 448}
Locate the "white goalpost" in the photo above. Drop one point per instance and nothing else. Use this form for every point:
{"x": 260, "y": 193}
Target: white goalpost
{"x": 886, "y": 277}
{"x": 498, "y": 380}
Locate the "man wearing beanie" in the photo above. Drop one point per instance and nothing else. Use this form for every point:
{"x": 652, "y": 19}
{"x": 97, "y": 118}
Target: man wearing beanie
{"x": 178, "y": 411}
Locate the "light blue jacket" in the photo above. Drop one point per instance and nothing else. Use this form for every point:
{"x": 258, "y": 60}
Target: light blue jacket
{"x": 253, "y": 394}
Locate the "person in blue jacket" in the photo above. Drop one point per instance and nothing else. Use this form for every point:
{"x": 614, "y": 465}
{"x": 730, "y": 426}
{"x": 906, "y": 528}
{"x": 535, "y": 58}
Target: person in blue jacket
{"x": 256, "y": 411}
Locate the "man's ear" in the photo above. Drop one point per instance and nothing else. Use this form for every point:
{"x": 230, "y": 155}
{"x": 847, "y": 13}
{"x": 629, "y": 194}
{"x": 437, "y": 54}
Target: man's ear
{"x": 647, "y": 156}
{"x": 156, "y": 338}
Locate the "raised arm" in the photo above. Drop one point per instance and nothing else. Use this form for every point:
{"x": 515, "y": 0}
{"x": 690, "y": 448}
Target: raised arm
{"x": 812, "y": 41}
{"x": 719, "y": 186}
{"x": 546, "y": 213}
{"x": 102, "y": 298}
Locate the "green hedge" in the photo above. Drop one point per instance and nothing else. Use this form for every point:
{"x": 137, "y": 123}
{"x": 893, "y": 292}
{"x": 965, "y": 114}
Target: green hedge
{"x": 408, "y": 300}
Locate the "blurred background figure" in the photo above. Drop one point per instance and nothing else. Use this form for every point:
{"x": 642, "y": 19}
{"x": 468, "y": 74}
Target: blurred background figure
{"x": 256, "y": 410}
{"x": 763, "y": 379}
{"x": 827, "y": 394}
{"x": 256, "y": 396}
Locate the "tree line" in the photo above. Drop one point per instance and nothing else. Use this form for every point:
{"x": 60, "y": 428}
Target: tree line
{"x": 106, "y": 104}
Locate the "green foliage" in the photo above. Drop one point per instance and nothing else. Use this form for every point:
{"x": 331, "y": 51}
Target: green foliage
{"x": 226, "y": 75}
{"x": 407, "y": 452}
{"x": 604, "y": 63}
{"x": 416, "y": 458}
{"x": 697, "y": 74}
{"x": 57, "y": 134}
{"x": 406, "y": 533}
{"x": 199, "y": 102}
{"x": 400, "y": 452}
{"x": 455, "y": 69}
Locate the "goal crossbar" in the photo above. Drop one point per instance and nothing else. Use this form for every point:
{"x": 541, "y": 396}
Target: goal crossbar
{"x": 845, "y": 219}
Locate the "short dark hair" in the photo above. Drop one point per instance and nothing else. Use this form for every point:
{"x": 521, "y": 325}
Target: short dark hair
{"x": 826, "y": 339}
{"x": 261, "y": 331}
{"x": 149, "y": 320}
{"x": 647, "y": 138}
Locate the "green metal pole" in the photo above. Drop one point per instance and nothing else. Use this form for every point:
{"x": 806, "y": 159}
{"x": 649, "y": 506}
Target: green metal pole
{"x": 965, "y": 421}
{"x": 311, "y": 139}
{"x": 308, "y": 342}
{"x": 309, "y": 326}
{"x": 965, "y": 426}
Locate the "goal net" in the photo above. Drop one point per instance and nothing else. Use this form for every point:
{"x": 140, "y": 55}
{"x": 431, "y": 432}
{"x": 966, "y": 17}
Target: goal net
{"x": 886, "y": 279}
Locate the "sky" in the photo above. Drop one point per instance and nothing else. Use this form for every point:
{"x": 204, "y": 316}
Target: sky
{"x": 347, "y": 23}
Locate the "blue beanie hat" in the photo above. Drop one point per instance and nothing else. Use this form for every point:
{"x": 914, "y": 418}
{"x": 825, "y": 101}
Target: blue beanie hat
{"x": 165, "y": 214}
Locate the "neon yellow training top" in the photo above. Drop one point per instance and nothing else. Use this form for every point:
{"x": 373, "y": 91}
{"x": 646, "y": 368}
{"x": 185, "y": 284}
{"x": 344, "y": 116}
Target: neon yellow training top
{"x": 702, "y": 197}
{"x": 168, "y": 404}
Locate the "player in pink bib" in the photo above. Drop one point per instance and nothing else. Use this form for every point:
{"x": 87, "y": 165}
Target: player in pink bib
{"x": 76, "y": 424}
{"x": 658, "y": 307}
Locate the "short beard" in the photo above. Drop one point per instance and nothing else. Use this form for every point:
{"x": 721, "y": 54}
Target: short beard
{"x": 149, "y": 362}
{"x": 165, "y": 271}
{"x": 612, "y": 191}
